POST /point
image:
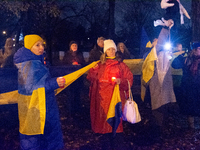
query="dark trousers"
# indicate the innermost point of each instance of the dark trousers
(74, 96)
(162, 113)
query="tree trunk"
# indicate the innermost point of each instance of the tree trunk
(111, 19)
(195, 20)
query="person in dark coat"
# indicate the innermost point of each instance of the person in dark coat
(75, 59)
(73, 56)
(190, 83)
(123, 51)
(38, 112)
(97, 51)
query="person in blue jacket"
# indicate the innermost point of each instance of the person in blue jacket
(38, 112)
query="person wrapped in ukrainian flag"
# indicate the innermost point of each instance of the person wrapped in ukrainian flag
(108, 81)
(38, 112)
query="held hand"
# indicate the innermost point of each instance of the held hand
(75, 63)
(169, 23)
(117, 80)
(61, 82)
(95, 66)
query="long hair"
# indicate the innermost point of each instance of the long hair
(192, 61)
(125, 48)
(191, 56)
(103, 58)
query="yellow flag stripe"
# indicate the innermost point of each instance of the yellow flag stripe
(9, 97)
(148, 65)
(114, 100)
(75, 75)
(32, 112)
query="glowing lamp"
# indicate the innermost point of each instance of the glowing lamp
(167, 46)
(113, 78)
(75, 63)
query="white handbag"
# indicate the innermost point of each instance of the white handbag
(131, 112)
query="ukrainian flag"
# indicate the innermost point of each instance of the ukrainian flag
(148, 70)
(70, 78)
(8, 86)
(31, 99)
(31, 95)
(115, 110)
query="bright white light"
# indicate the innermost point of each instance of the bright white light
(88, 38)
(4, 32)
(167, 46)
(21, 37)
(169, 57)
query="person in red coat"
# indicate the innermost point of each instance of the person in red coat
(101, 90)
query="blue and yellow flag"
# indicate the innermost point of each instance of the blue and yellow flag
(75, 75)
(31, 100)
(148, 69)
(115, 110)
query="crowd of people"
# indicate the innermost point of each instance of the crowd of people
(40, 127)
(33, 75)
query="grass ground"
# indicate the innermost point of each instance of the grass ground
(77, 133)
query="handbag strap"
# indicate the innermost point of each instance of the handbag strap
(130, 93)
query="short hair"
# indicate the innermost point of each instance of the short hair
(100, 38)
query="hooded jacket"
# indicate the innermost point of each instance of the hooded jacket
(36, 103)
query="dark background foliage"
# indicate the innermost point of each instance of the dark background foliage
(59, 22)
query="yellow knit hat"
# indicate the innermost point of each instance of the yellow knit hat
(30, 40)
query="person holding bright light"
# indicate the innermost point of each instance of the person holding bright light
(103, 78)
(161, 84)
(190, 84)
(73, 57)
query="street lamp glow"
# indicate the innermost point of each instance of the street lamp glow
(4, 32)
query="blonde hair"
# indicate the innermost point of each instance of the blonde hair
(9, 48)
(103, 58)
(9, 42)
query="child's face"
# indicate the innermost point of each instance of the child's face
(38, 48)
(110, 52)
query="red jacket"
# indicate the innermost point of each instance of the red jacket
(101, 90)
